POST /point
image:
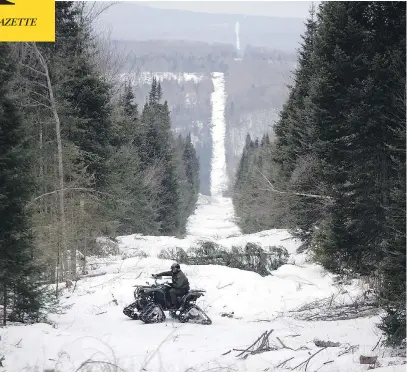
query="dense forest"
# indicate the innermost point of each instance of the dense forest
(335, 173)
(79, 160)
(190, 112)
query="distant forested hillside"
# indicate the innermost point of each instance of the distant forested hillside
(132, 21)
(255, 85)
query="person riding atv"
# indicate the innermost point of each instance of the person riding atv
(152, 300)
(180, 283)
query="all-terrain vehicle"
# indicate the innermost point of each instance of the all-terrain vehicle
(152, 300)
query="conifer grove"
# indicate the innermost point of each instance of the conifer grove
(79, 160)
(334, 171)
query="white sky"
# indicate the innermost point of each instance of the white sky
(295, 9)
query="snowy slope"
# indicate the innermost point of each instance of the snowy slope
(214, 216)
(213, 219)
(218, 165)
(94, 327)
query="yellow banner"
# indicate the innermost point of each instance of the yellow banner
(27, 20)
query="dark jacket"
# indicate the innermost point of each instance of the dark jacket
(179, 280)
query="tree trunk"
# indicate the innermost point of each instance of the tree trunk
(4, 304)
(60, 158)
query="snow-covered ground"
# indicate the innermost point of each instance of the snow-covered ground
(94, 328)
(218, 130)
(214, 216)
(92, 334)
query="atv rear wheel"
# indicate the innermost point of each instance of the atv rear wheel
(194, 314)
(152, 314)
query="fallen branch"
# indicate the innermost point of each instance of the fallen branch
(367, 359)
(110, 280)
(284, 345)
(114, 300)
(282, 363)
(103, 363)
(377, 344)
(302, 348)
(93, 275)
(349, 349)
(324, 364)
(227, 285)
(254, 343)
(103, 312)
(264, 345)
(330, 310)
(273, 189)
(289, 348)
(68, 189)
(321, 343)
(306, 362)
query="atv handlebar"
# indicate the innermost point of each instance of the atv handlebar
(159, 276)
(155, 283)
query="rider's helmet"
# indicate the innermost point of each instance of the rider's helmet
(175, 267)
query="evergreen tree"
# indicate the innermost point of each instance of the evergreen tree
(339, 156)
(387, 22)
(18, 273)
(131, 208)
(358, 47)
(256, 208)
(169, 211)
(174, 164)
(191, 162)
(81, 89)
(295, 133)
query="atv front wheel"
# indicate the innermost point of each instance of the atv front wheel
(131, 311)
(152, 314)
(194, 314)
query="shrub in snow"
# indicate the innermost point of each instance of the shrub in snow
(207, 248)
(251, 257)
(33, 306)
(323, 248)
(175, 254)
(207, 253)
(104, 247)
(394, 325)
(278, 256)
(260, 260)
(135, 252)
